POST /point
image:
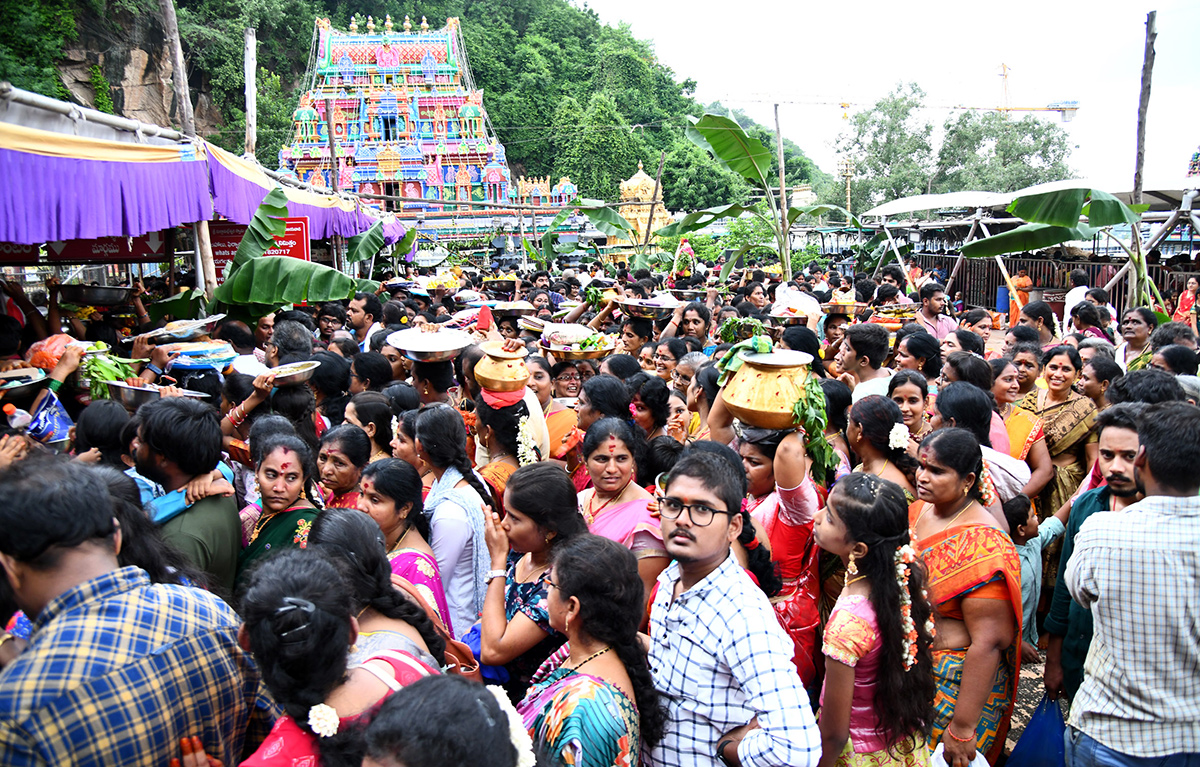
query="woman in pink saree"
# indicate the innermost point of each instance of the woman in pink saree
(616, 506)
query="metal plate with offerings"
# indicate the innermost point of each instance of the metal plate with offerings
(435, 345)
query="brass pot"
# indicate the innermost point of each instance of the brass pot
(765, 388)
(500, 370)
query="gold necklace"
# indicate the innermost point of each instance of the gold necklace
(593, 656)
(853, 580)
(950, 521)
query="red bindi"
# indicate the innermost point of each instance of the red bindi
(612, 445)
(285, 465)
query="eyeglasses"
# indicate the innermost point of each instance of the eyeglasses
(549, 583)
(701, 515)
(663, 358)
(330, 321)
(567, 378)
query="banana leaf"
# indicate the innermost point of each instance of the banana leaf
(1059, 208)
(731, 147)
(405, 245)
(186, 305)
(533, 253)
(822, 210)
(363, 245)
(276, 281)
(1105, 210)
(1027, 237)
(266, 225)
(699, 219)
(733, 257)
(605, 219)
(550, 235)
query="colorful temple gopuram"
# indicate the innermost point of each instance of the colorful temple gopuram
(407, 121)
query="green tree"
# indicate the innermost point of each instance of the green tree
(992, 152)
(566, 140)
(691, 180)
(891, 148)
(749, 230)
(608, 151)
(32, 35)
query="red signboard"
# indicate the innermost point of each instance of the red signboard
(227, 236)
(153, 246)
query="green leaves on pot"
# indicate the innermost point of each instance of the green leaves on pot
(810, 415)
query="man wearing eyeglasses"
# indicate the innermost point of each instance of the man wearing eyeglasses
(717, 652)
(331, 318)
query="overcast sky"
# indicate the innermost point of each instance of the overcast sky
(1090, 52)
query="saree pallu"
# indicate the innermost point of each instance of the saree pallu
(579, 719)
(623, 523)
(796, 555)
(1024, 430)
(1183, 313)
(963, 561)
(1067, 427)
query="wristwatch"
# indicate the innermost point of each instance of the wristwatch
(494, 574)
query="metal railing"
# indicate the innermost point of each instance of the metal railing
(979, 279)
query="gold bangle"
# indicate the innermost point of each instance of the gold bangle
(7, 638)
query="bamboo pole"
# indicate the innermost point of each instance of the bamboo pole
(250, 64)
(785, 259)
(1143, 107)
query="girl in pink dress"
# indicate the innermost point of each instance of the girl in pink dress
(876, 702)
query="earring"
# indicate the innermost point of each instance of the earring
(851, 569)
(547, 537)
(425, 390)
(353, 648)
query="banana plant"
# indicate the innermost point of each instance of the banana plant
(255, 286)
(1065, 215)
(744, 155)
(550, 249)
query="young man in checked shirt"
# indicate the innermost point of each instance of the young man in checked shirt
(1138, 570)
(118, 669)
(717, 652)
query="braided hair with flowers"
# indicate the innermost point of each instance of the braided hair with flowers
(874, 513)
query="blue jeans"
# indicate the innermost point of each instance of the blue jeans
(1085, 751)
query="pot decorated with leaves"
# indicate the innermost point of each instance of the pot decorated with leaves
(764, 390)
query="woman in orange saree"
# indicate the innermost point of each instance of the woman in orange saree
(974, 582)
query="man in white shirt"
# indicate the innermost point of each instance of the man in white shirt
(864, 349)
(717, 652)
(1076, 295)
(1137, 571)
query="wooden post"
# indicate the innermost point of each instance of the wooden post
(183, 98)
(785, 259)
(187, 123)
(1143, 106)
(662, 158)
(251, 69)
(334, 241)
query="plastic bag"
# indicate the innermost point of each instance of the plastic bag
(937, 759)
(1041, 744)
(45, 353)
(50, 421)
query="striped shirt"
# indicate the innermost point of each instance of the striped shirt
(720, 658)
(1139, 573)
(119, 669)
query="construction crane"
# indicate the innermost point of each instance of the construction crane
(1066, 108)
